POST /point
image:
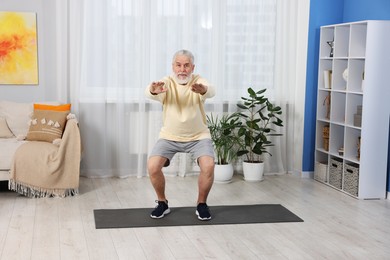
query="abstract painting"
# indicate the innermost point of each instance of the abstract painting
(18, 48)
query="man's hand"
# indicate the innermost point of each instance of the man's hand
(157, 88)
(199, 88)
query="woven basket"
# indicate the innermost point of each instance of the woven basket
(325, 135)
(335, 173)
(320, 171)
(325, 131)
(351, 179)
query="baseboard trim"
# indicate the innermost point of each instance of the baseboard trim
(309, 175)
(4, 175)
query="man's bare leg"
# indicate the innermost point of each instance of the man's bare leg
(206, 177)
(155, 165)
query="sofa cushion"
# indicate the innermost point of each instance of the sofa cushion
(52, 107)
(8, 147)
(17, 116)
(48, 122)
(4, 130)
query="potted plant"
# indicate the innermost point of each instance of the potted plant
(223, 132)
(258, 117)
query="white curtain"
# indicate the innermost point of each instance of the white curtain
(117, 47)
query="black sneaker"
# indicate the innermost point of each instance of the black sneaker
(203, 212)
(160, 210)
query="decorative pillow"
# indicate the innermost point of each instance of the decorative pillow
(48, 122)
(17, 116)
(65, 107)
(4, 130)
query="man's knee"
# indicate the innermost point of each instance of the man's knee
(155, 164)
(206, 163)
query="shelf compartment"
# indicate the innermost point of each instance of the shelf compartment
(341, 44)
(321, 140)
(327, 35)
(351, 144)
(355, 75)
(321, 157)
(337, 107)
(336, 139)
(354, 109)
(358, 40)
(323, 105)
(325, 66)
(340, 65)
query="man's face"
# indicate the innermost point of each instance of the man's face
(182, 68)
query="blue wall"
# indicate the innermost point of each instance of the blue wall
(325, 12)
(357, 10)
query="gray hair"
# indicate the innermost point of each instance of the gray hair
(185, 53)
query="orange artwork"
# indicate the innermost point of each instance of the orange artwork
(18, 48)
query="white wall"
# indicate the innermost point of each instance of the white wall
(46, 28)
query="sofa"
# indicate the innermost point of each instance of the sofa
(40, 148)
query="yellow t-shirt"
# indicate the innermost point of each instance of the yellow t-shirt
(184, 118)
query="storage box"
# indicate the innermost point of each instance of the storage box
(320, 171)
(357, 120)
(359, 110)
(351, 179)
(335, 172)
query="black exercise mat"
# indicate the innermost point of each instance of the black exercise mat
(185, 216)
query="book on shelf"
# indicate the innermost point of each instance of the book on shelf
(327, 79)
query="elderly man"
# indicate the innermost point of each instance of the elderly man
(184, 130)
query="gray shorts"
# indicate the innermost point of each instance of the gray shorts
(168, 149)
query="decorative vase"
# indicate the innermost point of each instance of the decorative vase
(223, 173)
(345, 77)
(253, 171)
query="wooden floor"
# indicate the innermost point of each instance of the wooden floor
(336, 226)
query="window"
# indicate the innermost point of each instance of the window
(128, 44)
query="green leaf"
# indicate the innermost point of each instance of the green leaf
(251, 92)
(261, 91)
(242, 152)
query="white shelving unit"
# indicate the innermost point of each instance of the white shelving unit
(363, 50)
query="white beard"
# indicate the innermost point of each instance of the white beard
(182, 81)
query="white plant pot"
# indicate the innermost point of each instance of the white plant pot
(253, 171)
(223, 173)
